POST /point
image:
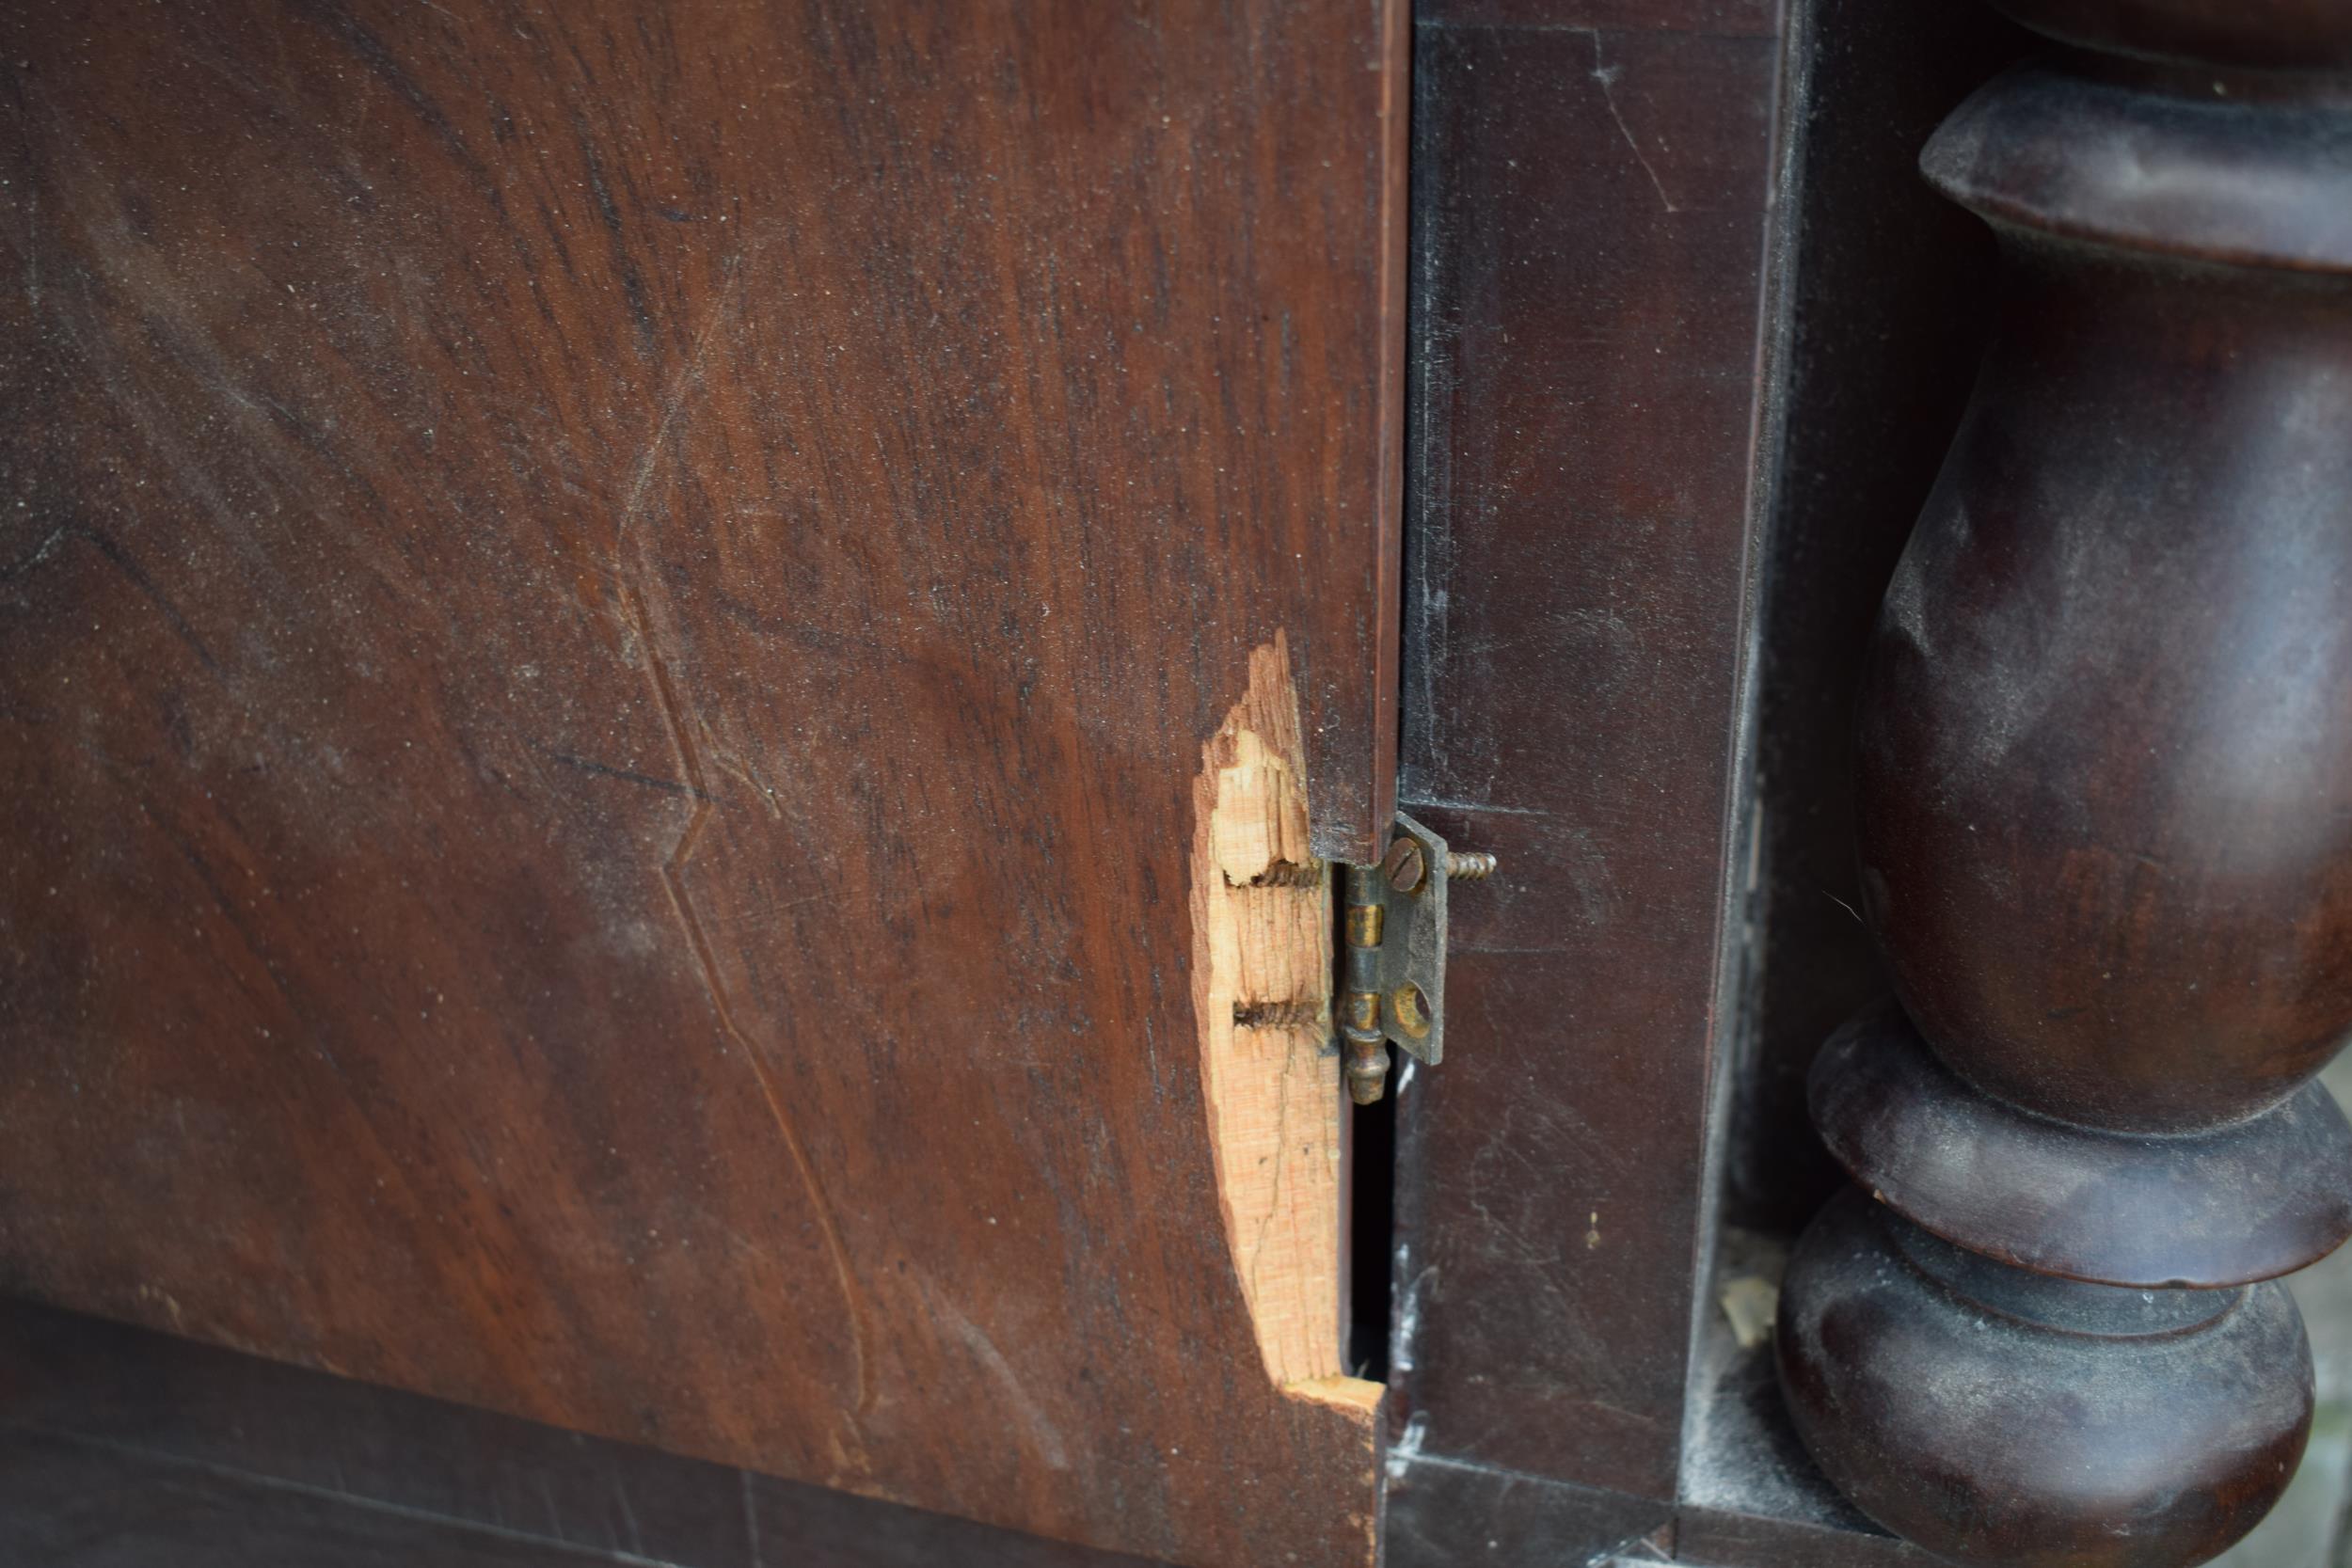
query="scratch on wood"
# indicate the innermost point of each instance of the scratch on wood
(675, 399)
(690, 920)
(750, 1525)
(1607, 76)
(1043, 1436)
(128, 566)
(625, 775)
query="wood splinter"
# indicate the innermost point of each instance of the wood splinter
(1261, 990)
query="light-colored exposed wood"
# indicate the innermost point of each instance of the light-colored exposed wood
(1262, 985)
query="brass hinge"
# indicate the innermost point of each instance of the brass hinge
(1393, 975)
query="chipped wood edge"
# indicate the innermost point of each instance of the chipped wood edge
(1261, 992)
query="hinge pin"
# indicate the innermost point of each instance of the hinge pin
(1360, 1001)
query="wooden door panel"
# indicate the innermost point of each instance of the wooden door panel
(608, 620)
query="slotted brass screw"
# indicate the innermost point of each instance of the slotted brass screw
(1405, 865)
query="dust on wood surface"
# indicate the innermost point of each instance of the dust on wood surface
(607, 618)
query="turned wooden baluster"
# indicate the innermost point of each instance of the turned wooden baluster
(2106, 825)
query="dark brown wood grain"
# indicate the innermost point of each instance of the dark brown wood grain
(67, 1504)
(1714, 1539)
(1891, 299)
(2007, 1418)
(1442, 1513)
(1594, 184)
(239, 1433)
(2265, 34)
(2251, 1200)
(607, 617)
(2105, 770)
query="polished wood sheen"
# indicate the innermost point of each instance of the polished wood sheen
(2065, 1424)
(608, 618)
(2107, 746)
(1594, 184)
(2251, 1200)
(300, 1468)
(2296, 35)
(2104, 814)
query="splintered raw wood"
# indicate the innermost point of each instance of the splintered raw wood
(1261, 949)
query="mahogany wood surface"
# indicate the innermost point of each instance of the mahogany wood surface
(2265, 34)
(227, 1438)
(1717, 1540)
(1891, 300)
(1593, 370)
(2107, 762)
(2102, 803)
(65, 1504)
(2002, 1416)
(1593, 183)
(2251, 1200)
(607, 619)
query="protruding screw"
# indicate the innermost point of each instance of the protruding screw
(1469, 865)
(1405, 865)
